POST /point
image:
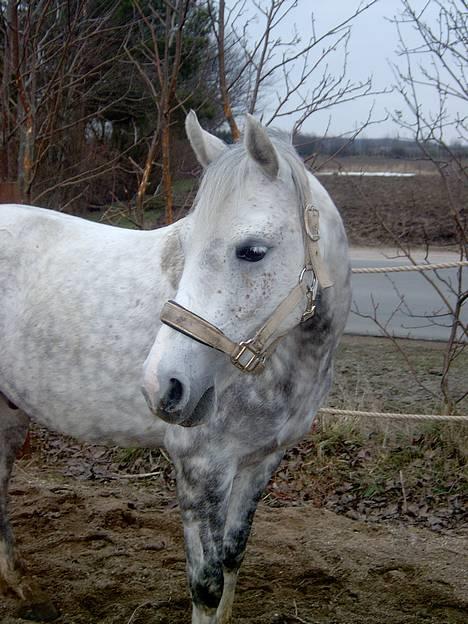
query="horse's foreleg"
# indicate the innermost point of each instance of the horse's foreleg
(224, 611)
(247, 489)
(13, 429)
(203, 491)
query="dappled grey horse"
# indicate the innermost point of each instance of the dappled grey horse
(253, 288)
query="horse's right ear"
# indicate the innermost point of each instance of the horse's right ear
(206, 146)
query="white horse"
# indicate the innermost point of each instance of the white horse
(80, 335)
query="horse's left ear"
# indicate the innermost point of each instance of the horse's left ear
(260, 147)
(206, 146)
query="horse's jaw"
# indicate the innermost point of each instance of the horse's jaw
(202, 411)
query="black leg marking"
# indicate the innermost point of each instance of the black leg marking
(247, 491)
(203, 492)
(207, 585)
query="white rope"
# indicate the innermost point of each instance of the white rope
(345, 412)
(412, 267)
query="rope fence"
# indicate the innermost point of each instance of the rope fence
(346, 412)
(412, 267)
(393, 415)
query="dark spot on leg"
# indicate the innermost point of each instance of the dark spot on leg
(207, 586)
(236, 541)
(287, 387)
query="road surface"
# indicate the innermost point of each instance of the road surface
(404, 318)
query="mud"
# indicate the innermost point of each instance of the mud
(112, 553)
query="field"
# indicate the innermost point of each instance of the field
(365, 522)
(378, 209)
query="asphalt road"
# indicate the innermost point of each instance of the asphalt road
(402, 301)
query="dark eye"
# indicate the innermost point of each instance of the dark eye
(251, 253)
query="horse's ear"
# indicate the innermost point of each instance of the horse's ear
(206, 146)
(260, 147)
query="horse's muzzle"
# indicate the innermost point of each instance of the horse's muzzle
(168, 407)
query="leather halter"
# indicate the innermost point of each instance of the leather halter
(250, 355)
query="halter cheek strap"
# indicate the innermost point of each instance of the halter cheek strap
(250, 355)
(314, 259)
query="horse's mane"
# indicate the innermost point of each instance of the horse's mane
(228, 174)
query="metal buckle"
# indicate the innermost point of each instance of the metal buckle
(310, 293)
(312, 228)
(248, 357)
(310, 306)
(305, 270)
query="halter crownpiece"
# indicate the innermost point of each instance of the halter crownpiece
(250, 356)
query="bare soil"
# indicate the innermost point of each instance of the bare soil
(108, 547)
(108, 552)
(380, 210)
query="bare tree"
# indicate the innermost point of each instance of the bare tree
(52, 92)
(219, 25)
(431, 79)
(296, 71)
(161, 60)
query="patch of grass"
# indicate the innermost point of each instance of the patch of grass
(373, 468)
(138, 460)
(184, 185)
(420, 476)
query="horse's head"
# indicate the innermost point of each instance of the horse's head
(244, 252)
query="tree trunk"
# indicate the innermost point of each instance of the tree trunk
(166, 168)
(142, 187)
(228, 114)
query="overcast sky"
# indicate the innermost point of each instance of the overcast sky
(372, 48)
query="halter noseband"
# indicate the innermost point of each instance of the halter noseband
(250, 355)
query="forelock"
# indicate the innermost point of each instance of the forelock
(228, 176)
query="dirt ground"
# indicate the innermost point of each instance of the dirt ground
(110, 552)
(108, 545)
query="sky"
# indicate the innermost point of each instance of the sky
(372, 49)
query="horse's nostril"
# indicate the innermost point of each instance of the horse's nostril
(170, 401)
(176, 390)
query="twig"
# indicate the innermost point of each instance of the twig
(403, 491)
(143, 475)
(143, 604)
(296, 616)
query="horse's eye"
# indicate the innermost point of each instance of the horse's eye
(251, 253)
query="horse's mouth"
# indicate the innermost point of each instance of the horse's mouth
(178, 417)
